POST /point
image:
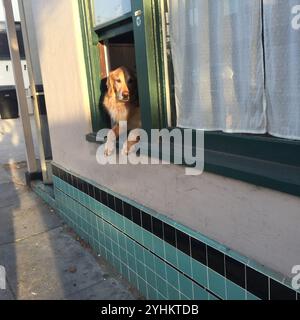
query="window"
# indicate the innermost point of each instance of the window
(105, 12)
(232, 78)
(216, 66)
(4, 47)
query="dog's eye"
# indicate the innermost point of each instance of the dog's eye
(118, 80)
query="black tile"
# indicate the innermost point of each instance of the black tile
(80, 184)
(127, 210)
(136, 216)
(111, 202)
(235, 271)
(257, 284)
(281, 292)
(85, 188)
(69, 178)
(91, 191)
(73, 181)
(54, 171)
(104, 198)
(119, 206)
(183, 242)
(169, 234)
(157, 228)
(147, 221)
(298, 296)
(198, 249)
(97, 195)
(216, 260)
(63, 175)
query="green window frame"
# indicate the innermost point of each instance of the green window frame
(261, 160)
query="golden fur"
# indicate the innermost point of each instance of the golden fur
(121, 102)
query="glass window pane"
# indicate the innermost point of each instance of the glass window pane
(105, 11)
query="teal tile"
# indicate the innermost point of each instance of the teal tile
(114, 234)
(212, 298)
(112, 217)
(122, 240)
(98, 209)
(151, 277)
(184, 297)
(158, 246)
(185, 286)
(235, 292)
(130, 246)
(184, 263)
(139, 253)
(137, 233)
(161, 297)
(149, 260)
(147, 239)
(162, 286)
(173, 294)
(125, 271)
(141, 269)
(108, 244)
(250, 296)
(115, 249)
(171, 254)
(100, 225)
(123, 255)
(119, 222)
(128, 227)
(216, 284)
(131, 262)
(160, 267)
(142, 286)
(199, 293)
(172, 276)
(133, 279)
(151, 293)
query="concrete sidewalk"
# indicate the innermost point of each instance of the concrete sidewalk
(42, 257)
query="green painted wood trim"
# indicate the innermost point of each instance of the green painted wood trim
(147, 62)
(113, 22)
(116, 31)
(92, 63)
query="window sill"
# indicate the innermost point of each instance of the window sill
(263, 161)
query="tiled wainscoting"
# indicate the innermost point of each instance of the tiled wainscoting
(160, 257)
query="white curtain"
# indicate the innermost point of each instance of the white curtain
(282, 52)
(218, 64)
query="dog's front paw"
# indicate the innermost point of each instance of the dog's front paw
(125, 150)
(109, 149)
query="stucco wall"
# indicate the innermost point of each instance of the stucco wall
(259, 223)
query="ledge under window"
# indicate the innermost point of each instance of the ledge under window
(261, 160)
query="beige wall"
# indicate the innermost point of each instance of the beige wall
(259, 223)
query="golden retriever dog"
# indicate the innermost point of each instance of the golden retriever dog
(121, 102)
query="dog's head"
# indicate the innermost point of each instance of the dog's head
(122, 84)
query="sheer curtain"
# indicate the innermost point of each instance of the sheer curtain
(218, 64)
(282, 52)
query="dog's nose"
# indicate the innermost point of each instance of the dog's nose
(125, 94)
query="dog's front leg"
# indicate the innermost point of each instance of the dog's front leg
(133, 139)
(110, 145)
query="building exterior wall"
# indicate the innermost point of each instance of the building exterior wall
(260, 224)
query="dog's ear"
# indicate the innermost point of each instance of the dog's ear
(110, 84)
